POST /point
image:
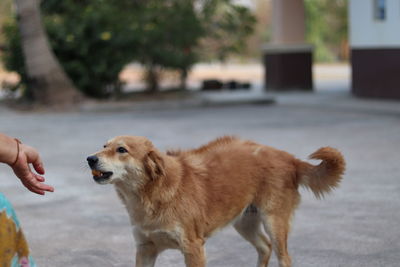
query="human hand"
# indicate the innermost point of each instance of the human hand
(34, 182)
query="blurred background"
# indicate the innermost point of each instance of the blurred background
(108, 48)
(293, 74)
(102, 49)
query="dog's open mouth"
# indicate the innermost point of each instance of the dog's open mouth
(100, 177)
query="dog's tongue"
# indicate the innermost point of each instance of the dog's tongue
(96, 173)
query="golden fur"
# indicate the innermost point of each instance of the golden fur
(180, 198)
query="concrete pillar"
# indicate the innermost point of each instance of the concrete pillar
(288, 59)
(288, 22)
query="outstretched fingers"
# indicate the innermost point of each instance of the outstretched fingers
(34, 182)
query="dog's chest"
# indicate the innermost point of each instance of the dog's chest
(165, 238)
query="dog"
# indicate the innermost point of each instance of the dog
(179, 198)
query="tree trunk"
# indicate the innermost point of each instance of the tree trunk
(152, 79)
(49, 83)
(183, 78)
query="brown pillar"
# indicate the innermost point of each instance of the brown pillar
(375, 72)
(288, 59)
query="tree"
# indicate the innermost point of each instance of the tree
(45, 78)
(326, 28)
(262, 29)
(176, 34)
(95, 39)
(227, 27)
(5, 14)
(169, 32)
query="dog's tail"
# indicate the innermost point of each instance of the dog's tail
(321, 179)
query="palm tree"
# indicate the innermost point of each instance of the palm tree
(49, 83)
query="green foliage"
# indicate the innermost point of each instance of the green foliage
(91, 41)
(228, 28)
(176, 34)
(168, 32)
(13, 59)
(5, 16)
(95, 39)
(326, 28)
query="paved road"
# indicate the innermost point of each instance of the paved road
(84, 224)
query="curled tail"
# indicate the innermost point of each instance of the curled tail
(322, 178)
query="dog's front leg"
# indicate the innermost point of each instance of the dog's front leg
(146, 255)
(194, 255)
(146, 250)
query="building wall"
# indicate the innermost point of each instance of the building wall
(368, 32)
(375, 49)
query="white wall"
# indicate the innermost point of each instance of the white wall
(367, 32)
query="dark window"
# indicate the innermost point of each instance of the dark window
(380, 9)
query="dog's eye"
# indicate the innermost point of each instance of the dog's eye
(121, 150)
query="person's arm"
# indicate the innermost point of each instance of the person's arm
(8, 149)
(19, 156)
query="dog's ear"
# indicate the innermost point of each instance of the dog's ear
(154, 165)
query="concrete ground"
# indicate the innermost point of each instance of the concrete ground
(84, 224)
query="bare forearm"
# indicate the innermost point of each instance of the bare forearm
(8, 149)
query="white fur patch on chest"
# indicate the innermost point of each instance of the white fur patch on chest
(165, 239)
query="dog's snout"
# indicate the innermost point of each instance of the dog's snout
(92, 160)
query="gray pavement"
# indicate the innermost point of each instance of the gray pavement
(84, 224)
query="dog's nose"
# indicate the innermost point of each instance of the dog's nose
(92, 160)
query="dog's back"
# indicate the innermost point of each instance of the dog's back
(232, 174)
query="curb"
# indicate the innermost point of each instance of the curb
(196, 101)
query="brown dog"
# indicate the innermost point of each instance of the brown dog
(180, 198)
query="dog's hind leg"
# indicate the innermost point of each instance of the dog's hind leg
(249, 227)
(277, 226)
